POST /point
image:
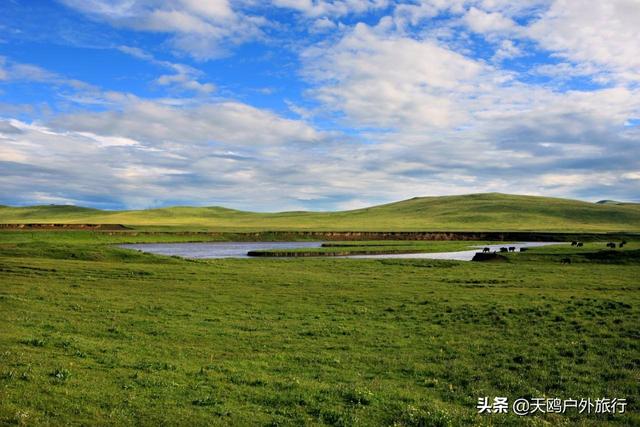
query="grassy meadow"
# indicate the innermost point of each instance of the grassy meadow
(96, 335)
(475, 212)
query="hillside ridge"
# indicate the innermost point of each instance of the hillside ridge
(482, 211)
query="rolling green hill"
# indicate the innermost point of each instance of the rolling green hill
(475, 212)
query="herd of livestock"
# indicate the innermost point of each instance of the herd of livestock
(509, 249)
(611, 245)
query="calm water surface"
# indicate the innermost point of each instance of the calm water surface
(240, 249)
(461, 255)
(217, 249)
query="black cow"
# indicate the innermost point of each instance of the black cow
(504, 250)
(621, 244)
(611, 245)
(580, 244)
(512, 248)
(485, 250)
(565, 261)
(574, 243)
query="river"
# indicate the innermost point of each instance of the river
(240, 249)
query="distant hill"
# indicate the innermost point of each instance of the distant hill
(609, 202)
(474, 212)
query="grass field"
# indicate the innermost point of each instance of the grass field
(476, 212)
(95, 335)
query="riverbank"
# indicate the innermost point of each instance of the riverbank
(117, 230)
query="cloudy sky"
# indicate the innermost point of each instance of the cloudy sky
(276, 105)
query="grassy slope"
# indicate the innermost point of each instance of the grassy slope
(471, 212)
(101, 336)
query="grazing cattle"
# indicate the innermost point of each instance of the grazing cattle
(611, 245)
(621, 244)
(574, 243)
(512, 248)
(565, 261)
(524, 249)
(504, 250)
(485, 250)
(580, 244)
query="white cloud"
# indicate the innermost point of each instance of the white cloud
(485, 14)
(323, 24)
(229, 153)
(17, 71)
(184, 76)
(488, 22)
(585, 179)
(214, 9)
(356, 77)
(159, 124)
(107, 141)
(507, 49)
(603, 33)
(202, 29)
(600, 36)
(232, 152)
(632, 175)
(185, 82)
(421, 115)
(317, 8)
(466, 123)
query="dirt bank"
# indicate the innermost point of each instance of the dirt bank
(524, 236)
(105, 227)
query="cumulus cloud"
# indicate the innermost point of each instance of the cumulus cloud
(133, 158)
(420, 89)
(507, 49)
(317, 8)
(183, 76)
(229, 153)
(161, 124)
(484, 15)
(605, 34)
(600, 36)
(488, 22)
(202, 29)
(417, 112)
(17, 71)
(256, 161)
(470, 124)
(322, 25)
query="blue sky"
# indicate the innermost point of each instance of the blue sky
(300, 104)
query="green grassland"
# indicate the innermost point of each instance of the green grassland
(96, 335)
(476, 212)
